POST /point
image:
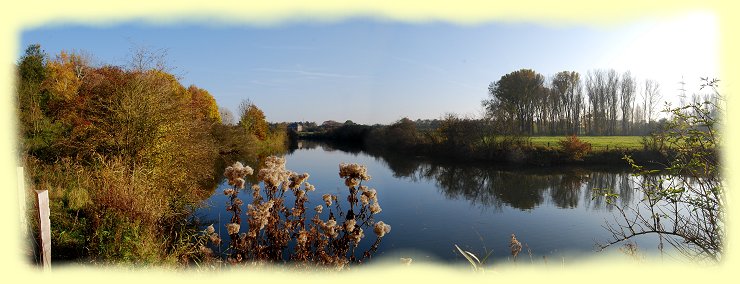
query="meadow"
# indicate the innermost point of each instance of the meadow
(598, 143)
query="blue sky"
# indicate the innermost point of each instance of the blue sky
(374, 71)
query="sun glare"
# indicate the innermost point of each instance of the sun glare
(685, 47)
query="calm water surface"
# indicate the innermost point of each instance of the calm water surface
(431, 207)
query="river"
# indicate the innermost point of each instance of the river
(431, 207)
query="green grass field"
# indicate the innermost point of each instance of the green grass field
(598, 143)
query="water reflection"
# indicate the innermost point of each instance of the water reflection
(520, 188)
(494, 186)
(328, 147)
(434, 204)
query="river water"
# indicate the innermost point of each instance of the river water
(431, 207)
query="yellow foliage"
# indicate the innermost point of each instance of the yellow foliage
(203, 104)
(253, 120)
(65, 74)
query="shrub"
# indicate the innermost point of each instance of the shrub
(109, 143)
(574, 148)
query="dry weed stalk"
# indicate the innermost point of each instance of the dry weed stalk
(515, 245)
(278, 232)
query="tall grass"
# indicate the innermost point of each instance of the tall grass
(108, 211)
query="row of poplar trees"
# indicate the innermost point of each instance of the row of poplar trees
(603, 103)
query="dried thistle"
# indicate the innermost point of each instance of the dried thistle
(515, 246)
(232, 228)
(381, 229)
(375, 208)
(349, 225)
(327, 199)
(273, 225)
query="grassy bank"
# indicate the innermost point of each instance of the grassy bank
(475, 140)
(598, 143)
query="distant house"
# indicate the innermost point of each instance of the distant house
(297, 127)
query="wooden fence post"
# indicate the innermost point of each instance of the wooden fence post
(42, 201)
(42, 206)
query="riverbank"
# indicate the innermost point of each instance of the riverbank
(523, 153)
(465, 140)
(125, 154)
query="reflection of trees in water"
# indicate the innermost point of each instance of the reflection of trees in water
(347, 148)
(491, 187)
(598, 180)
(494, 187)
(626, 189)
(305, 144)
(567, 192)
(403, 167)
(519, 188)
(302, 145)
(621, 184)
(473, 184)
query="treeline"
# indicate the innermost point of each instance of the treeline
(126, 152)
(474, 140)
(522, 104)
(453, 138)
(466, 139)
(526, 103)
(603, 102)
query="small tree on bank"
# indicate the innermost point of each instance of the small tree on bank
(684, 204)
(574, 148)
(252, 119)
